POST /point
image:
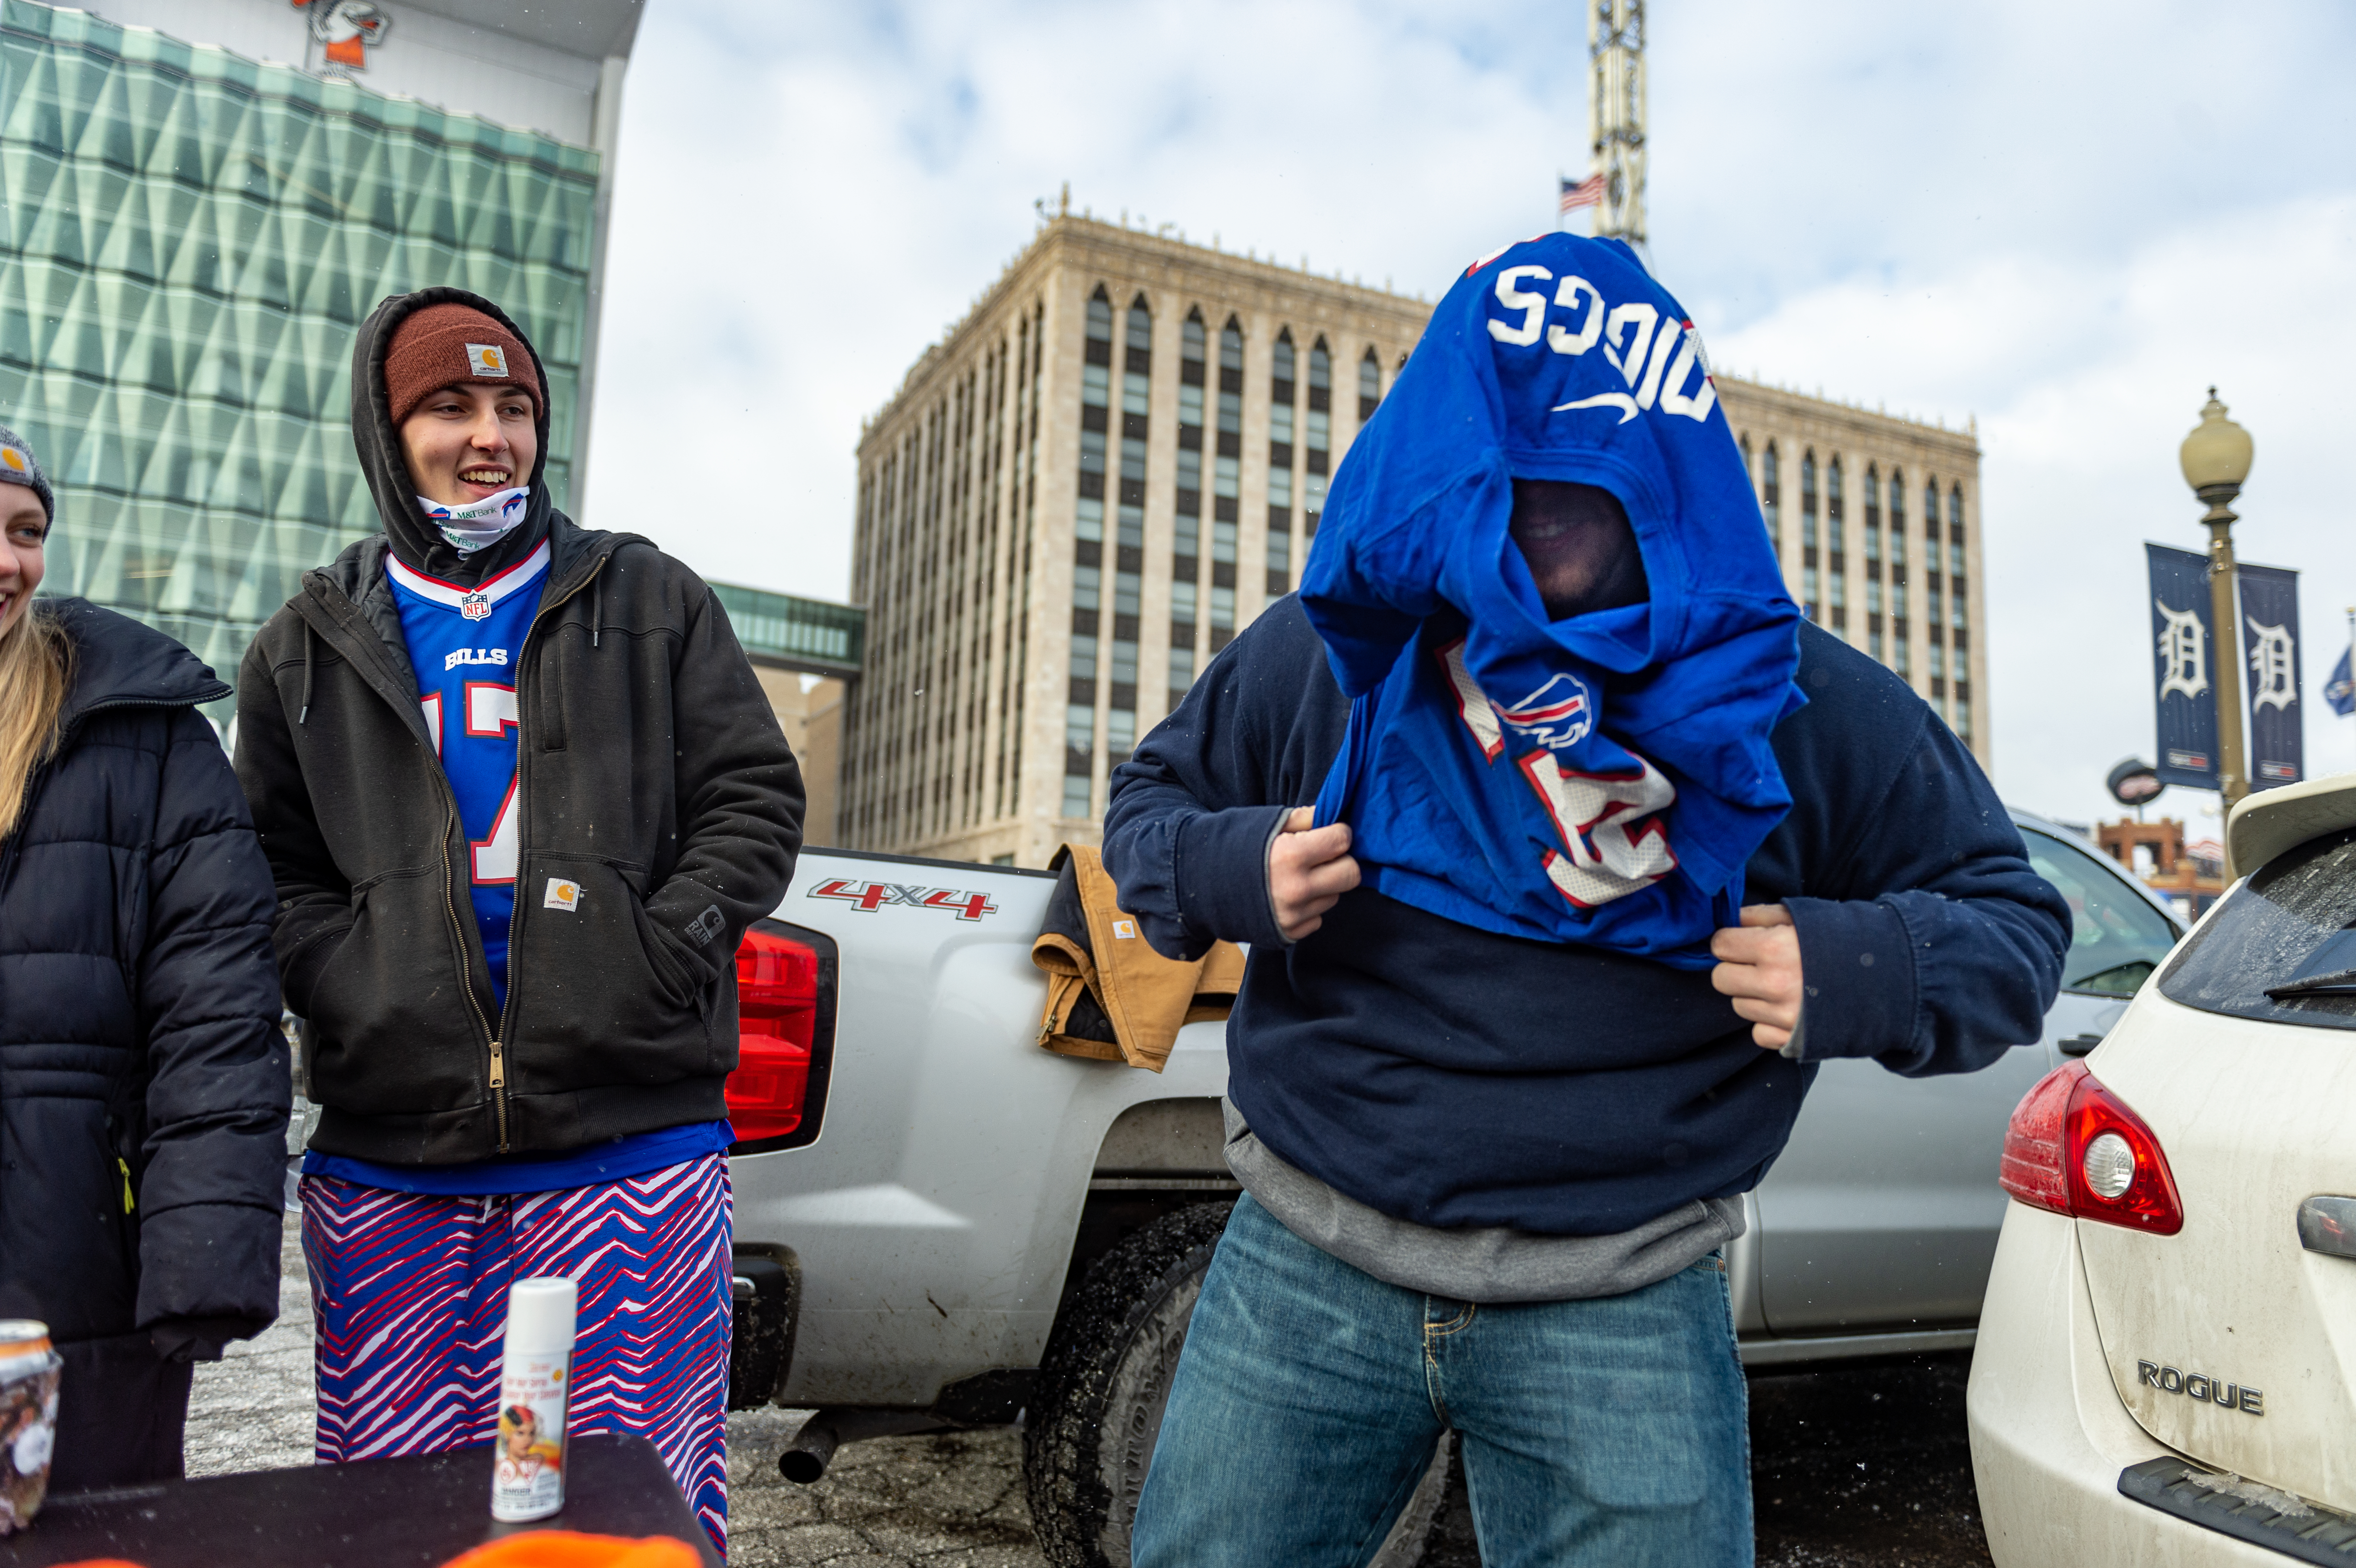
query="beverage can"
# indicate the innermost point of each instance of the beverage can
(535, 1387)
(28, 1419)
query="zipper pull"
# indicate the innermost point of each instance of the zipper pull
(498, 1067)
(125, 1167)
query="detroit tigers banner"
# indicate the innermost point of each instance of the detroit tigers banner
(2270, 653)
(2184, 686)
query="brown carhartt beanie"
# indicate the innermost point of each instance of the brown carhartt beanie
(453, 344)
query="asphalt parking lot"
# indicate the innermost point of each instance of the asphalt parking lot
(1861, 1467)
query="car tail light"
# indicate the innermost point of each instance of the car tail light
(779, 1000)
(2074, 1148)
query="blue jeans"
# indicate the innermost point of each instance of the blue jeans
(1311, 1394)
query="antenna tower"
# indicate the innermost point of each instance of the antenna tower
(1615, 113)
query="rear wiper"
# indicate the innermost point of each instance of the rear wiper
(2338, 982)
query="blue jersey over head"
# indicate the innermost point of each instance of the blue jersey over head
(1601, 779)
(465, 643)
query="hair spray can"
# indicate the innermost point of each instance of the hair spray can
(535, 1384)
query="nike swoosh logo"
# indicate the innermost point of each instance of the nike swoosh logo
(1621, 400)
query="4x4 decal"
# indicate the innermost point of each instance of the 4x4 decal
(869, 896)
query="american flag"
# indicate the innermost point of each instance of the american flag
(1588, 192)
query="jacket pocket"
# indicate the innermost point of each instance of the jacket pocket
(317, 963)
(679, 986)
(603, 1004)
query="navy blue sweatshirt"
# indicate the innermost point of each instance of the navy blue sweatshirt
(1455, 1077)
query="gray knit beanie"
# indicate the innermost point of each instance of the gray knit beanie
(19, 467)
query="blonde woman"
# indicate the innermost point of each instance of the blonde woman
(144, 1087)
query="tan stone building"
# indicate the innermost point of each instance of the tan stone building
(809, 711)
(1876, 521)
(1113, 463)
(1119, 457)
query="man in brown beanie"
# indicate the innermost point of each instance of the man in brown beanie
(521, 793)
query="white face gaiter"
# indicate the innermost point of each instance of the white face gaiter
(477, 524)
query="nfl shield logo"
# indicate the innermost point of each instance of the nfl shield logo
(476, 607)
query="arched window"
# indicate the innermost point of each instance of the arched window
(1834, 533)
(1088, 569)
(1136, 384)
(1898, 542)
(1873, 534)
(1317, 434)
(1370, 386)
(1279, 466)
(1186, 546)
(1095, 423)
(1931, 517)
(1956, 530)
(1770, 497)
(1808, 500)
(1226, 479)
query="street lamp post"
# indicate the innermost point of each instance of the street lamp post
(2216, 459)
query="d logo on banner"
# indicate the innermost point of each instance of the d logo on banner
(2270, 653)
(2184, 686)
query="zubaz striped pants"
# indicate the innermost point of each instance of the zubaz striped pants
(410, 1292)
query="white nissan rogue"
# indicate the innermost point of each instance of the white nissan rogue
(2166, 1370)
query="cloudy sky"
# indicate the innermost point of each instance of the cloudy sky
(2066, 221)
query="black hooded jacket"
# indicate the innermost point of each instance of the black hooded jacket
(650, 772)
(144, 1088)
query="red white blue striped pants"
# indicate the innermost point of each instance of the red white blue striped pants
(411, 1295)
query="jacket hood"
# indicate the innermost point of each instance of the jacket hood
(1558, 359)
(118, 661)
(415, 538)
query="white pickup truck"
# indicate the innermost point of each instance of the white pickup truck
(939, 1223)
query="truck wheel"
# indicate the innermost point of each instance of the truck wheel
(1103, 1384)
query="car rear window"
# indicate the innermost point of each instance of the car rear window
(2293, 920)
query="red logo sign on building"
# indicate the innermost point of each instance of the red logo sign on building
(347, 28)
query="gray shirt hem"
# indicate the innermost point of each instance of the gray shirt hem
(1488, 1264)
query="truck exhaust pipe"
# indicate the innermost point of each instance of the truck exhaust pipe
(806, 1456)
(813, 1447)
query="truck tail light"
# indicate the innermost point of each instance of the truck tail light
(785, 1002)
(2075, 1148)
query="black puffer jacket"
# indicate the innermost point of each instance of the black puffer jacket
(651, 775)
(140, 1054)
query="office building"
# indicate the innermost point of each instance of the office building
(201, 202)
(1876, 521)
(1120, 456)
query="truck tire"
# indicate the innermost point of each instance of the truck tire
(1097, 1407)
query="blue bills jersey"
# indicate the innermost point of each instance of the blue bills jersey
(465, 643)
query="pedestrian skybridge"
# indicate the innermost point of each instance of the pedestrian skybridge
(812, 635)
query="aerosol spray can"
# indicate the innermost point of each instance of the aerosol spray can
(28, 1419)
(535, 1385)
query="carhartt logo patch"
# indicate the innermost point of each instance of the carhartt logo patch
(1125, 929)
(562, 895)
(486, 358)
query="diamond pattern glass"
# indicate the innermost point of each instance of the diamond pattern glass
(188, 242)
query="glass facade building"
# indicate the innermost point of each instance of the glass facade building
(188, 242)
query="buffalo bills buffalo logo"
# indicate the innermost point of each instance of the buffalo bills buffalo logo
(1557, 715)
